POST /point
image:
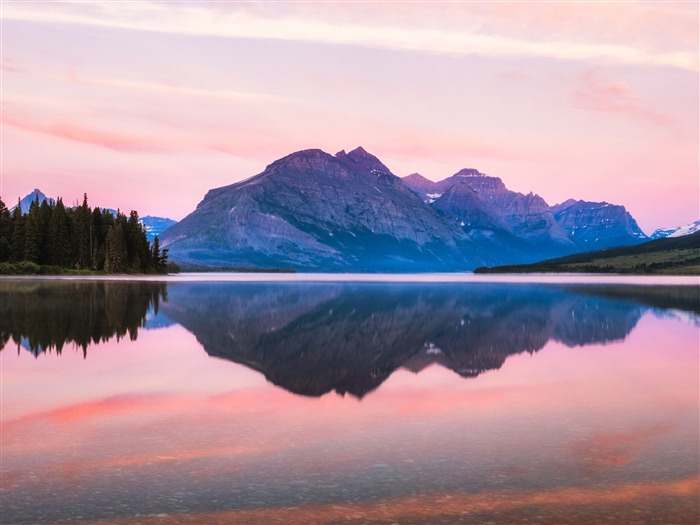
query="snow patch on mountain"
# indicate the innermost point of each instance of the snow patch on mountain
(678, 231)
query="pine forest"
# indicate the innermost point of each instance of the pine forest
(54, 238)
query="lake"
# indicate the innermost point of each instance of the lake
(248, 399)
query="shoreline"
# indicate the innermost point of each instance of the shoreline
(435, 278)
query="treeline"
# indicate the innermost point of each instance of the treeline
(53, 236)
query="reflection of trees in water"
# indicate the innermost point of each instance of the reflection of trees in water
(44, 316)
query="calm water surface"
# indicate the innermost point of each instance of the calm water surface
(195, 401)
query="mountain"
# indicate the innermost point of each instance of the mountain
(155, 226)
(426, 189)
(429, 190)
(676, 256)
(578, 225)
(597, 225)
(478, 202)
(26, 202)
(314, 211)
(347, 212)
(678, 231)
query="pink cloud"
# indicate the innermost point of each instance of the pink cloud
(615, 97)
(117, 141)
(10, 65)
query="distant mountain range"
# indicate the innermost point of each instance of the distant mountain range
(155, 226)
(312, 211)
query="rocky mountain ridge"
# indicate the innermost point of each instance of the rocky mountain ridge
(598, 224)
(476, 199)
(312, 211)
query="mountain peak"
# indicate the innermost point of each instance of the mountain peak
(27, 201)
(599, 223)
(469, 172)
(359, 150)
(359, 157)
(417, 177)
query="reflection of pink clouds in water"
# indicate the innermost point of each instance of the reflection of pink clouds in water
(550, 507)
(602, 451)
(159, 406)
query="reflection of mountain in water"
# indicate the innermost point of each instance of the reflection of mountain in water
(45, 315)
(312, 339)
(316, 338)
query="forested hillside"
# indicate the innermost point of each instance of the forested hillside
(52, 236)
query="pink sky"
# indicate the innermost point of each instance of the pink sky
(147, 105)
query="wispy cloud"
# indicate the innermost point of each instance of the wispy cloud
(10, 65)
(615, 97)
(118, 141)
(298, 23)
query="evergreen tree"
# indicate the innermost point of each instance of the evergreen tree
(44, 223)
(18, 231)
(98, 238)
(159, 258)
(60, 236)
(5, 232)
(115, 250)
(139, 251)
(81, 234)
(32, 237)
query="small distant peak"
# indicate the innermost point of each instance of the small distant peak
(556, 208)
(569, 202)
(361, 158)
(359, 150)
(469, 172)
(416, 177)
(360, 154)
